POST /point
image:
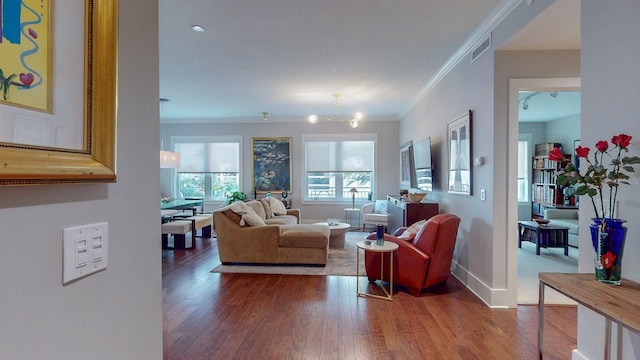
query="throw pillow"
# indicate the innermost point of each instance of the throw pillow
(277, 207)
(252, 219)
(233, 216)
(267, 207)
(410, 233)
(258, 208)
(381, 207)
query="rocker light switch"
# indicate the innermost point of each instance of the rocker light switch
(84, 250)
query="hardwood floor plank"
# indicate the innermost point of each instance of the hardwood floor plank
(256, 316)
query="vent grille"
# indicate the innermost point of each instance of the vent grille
(481, 49)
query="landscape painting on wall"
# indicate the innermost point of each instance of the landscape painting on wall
(271, 164)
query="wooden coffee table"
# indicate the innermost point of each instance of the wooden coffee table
(338, 230)
(547, 236)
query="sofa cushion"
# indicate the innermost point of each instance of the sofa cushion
(304, 236)
(253, 219)
(282, 220)
(267, 208)
(571, 224)
(239, 208)
(277, 207)
(257, 207)
(233, 216)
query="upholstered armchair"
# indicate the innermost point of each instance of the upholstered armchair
(374, 213)
(422, 262)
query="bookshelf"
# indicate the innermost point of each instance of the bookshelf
(544, 191)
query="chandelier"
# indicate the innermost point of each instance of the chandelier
(168, 159)
(353, 122)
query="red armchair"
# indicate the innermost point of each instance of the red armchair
(420, 263)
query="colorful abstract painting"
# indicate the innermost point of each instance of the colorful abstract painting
(25, 61)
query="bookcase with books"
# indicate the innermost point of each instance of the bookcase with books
(544, 191)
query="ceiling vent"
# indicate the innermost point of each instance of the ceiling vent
(481, 49)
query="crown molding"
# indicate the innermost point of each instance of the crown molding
(478, 36)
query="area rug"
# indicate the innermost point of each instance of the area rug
(340, 262)
(549, 260)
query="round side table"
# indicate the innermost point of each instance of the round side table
(388, 247)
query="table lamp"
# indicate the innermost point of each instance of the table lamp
(353, 197)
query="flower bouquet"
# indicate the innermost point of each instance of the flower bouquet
(600, 182)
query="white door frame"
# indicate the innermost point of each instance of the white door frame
(515, 86)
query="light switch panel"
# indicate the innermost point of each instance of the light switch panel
(85, 250)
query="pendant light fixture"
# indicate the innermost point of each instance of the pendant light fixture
(353, 122)
(168, 159)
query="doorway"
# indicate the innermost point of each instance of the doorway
(540, 85)
(544, 117)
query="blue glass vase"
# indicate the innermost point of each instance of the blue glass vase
(608, 246)
(380, 235)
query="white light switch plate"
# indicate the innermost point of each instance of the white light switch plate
(85, 250)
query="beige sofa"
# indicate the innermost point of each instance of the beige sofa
(278, 239)
(567, 218)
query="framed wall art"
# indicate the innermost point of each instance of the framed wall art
(459, 149)
(271, 165)
(62, 131)
(406, 165)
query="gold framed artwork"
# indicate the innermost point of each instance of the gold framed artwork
(62, 131)
(459, 150)
(271, 165)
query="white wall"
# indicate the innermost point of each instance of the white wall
(481, 252)
(387, 168)
(564, 131)
(116, 313)
(610, 77)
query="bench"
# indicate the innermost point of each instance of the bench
(181, 226)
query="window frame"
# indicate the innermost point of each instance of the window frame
(527, 178)
(337, 137)
(208, 183)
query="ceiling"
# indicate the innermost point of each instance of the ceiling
(287, 57)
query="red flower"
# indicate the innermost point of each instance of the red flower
(583, 152)
(602, 146)
(608, 259)
(556, 155)
(621, 140)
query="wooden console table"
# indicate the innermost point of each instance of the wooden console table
(400, 213)
(615, 303)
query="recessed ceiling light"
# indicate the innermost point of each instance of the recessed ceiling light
(197, 28)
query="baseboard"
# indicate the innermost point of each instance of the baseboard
(493, 298)
(576, 355)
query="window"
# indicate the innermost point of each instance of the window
(209, 166)
(334, 164)
(524, 167)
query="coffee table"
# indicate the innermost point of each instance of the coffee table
(338, 230)
(547, 236)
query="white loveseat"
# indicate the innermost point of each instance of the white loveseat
(567, 218)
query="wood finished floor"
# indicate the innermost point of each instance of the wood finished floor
(248, 316)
